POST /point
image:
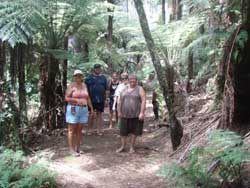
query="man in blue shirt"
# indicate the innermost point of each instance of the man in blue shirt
(97, 85)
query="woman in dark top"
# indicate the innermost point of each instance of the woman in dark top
(131, 110)
(112, 87)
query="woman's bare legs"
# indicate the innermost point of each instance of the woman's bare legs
(71, 134)
(78, 136)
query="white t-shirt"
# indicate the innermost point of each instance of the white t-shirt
(119, 89)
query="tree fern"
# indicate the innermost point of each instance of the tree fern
(52, 19)
(18, 20)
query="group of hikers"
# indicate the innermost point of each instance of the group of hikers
(86, 100)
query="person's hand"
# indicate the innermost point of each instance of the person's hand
(141, 116)
(91, 112)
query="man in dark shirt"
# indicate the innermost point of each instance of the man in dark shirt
(97, 86)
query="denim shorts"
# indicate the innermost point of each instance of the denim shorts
(77, 114)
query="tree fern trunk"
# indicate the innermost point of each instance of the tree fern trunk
(236, 101)
(163, 74)
(21, 80)
(222, 67)
(51, 99)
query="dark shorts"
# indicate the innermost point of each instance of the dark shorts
(98, 107)
(131, 126)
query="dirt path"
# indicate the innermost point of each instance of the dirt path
(101, 167)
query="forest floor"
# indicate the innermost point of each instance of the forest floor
(101, 167)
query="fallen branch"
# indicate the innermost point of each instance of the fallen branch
(201, 130)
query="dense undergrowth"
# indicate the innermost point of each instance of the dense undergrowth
(219, 164)
(16, 172)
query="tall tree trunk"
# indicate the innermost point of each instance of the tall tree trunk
(163, 9)
(163, 74)
(235, 108)
(2, 78)
(21, 80)
(110, 35)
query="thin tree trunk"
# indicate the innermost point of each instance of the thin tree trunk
(21, 80)
(163, 74)
(85, 51)
(190, 72)
(65, 67)
(179, 10)
(127, 6)
(13, 65)
(2, 78)
(174, 10)
(163, 8)
(110, 35)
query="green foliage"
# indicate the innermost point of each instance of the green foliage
(8, 129)
(18, 22)
(14, 172)
(222, 159)
(47, 21)
(205, 51)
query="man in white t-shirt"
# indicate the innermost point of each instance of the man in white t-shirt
(119, 89)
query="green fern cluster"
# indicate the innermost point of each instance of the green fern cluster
(14, 172)
(222, 161)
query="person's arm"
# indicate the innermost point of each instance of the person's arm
(116, 95)
(119, 107)
(143, 103)
(106, 93)
(68, 95)
(90, 105)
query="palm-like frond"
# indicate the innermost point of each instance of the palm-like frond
(52, 20)
(18, 20)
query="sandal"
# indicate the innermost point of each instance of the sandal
(75, 154)
(80, 152)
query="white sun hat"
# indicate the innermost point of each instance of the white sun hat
(77, 72)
